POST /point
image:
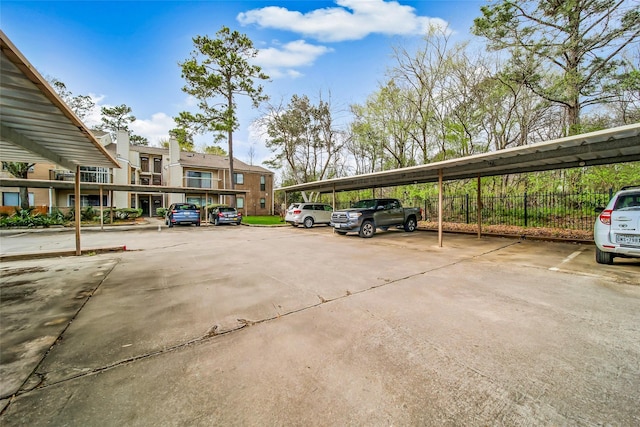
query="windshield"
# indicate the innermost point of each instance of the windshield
(365, 204)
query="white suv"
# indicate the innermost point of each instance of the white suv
(617, 229)
(308, 214)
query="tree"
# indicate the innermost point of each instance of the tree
(115, 119)
(81, 105)
(566, 51)
(20, 170)
(184, 138)
(215, 150)
(216, 73)
(303, 138)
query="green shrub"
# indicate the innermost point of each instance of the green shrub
(161, 212)
(26, 218)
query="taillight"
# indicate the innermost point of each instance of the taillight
(174, 211)
(197, 211)
(605, 217)
(297, 212)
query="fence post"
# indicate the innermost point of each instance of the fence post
(466, 206)
(525, 209)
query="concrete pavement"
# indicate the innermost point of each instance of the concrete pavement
(256, 326)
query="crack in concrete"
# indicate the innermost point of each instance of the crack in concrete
(214, 331)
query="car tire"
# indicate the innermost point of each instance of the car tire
(410, 225)
(367, 230)
(308, 222)
(603, 257)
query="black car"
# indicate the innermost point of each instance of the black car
(182, 213)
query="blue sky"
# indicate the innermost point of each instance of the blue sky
(127, 52)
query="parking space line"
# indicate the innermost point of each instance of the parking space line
(567, 259)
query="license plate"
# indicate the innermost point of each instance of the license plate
(337, 225)
(626, 239)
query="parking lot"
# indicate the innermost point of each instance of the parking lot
(238, 325)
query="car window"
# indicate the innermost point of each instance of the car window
(328, 208)
(365, 204)
(227, 210)
(628, 201)
(185, 207)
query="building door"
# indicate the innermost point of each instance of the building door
(157, 203)
(144, 205)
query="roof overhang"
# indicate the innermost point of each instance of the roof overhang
(615, 145)
(89, 186)
(36, 125)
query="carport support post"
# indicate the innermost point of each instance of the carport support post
(333, 197)
(440, 207)
(101, 211)
(77, 208)
(479, 208)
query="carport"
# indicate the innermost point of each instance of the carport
(37, 126)
(615, 145)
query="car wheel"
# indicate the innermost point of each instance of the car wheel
(410, 225)
(603, 257)
(308, 222)
(367, 230)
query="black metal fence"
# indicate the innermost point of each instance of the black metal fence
(553, 210)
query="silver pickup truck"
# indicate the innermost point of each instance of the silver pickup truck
(366, 216)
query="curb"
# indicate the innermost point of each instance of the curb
(55, 254)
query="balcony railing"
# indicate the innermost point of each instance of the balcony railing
(97, 176)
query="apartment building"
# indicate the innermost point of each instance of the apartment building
(154, 166)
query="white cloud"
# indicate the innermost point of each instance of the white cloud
(154, 129)
(281, 60)
(351, 20)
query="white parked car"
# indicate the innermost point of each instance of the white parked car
(308, 214)
(617, 229)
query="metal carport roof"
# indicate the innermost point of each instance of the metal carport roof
(615, 145)
(36, 126)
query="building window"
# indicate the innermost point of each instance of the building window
(238, 178)
(240, 202)
(157, 165)
(10, 199)
(88, 200)
(198, 179)
(13, 199)
(144, 163)
(144, 180)
(263, 203)
(157, 180)
(263, 183)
